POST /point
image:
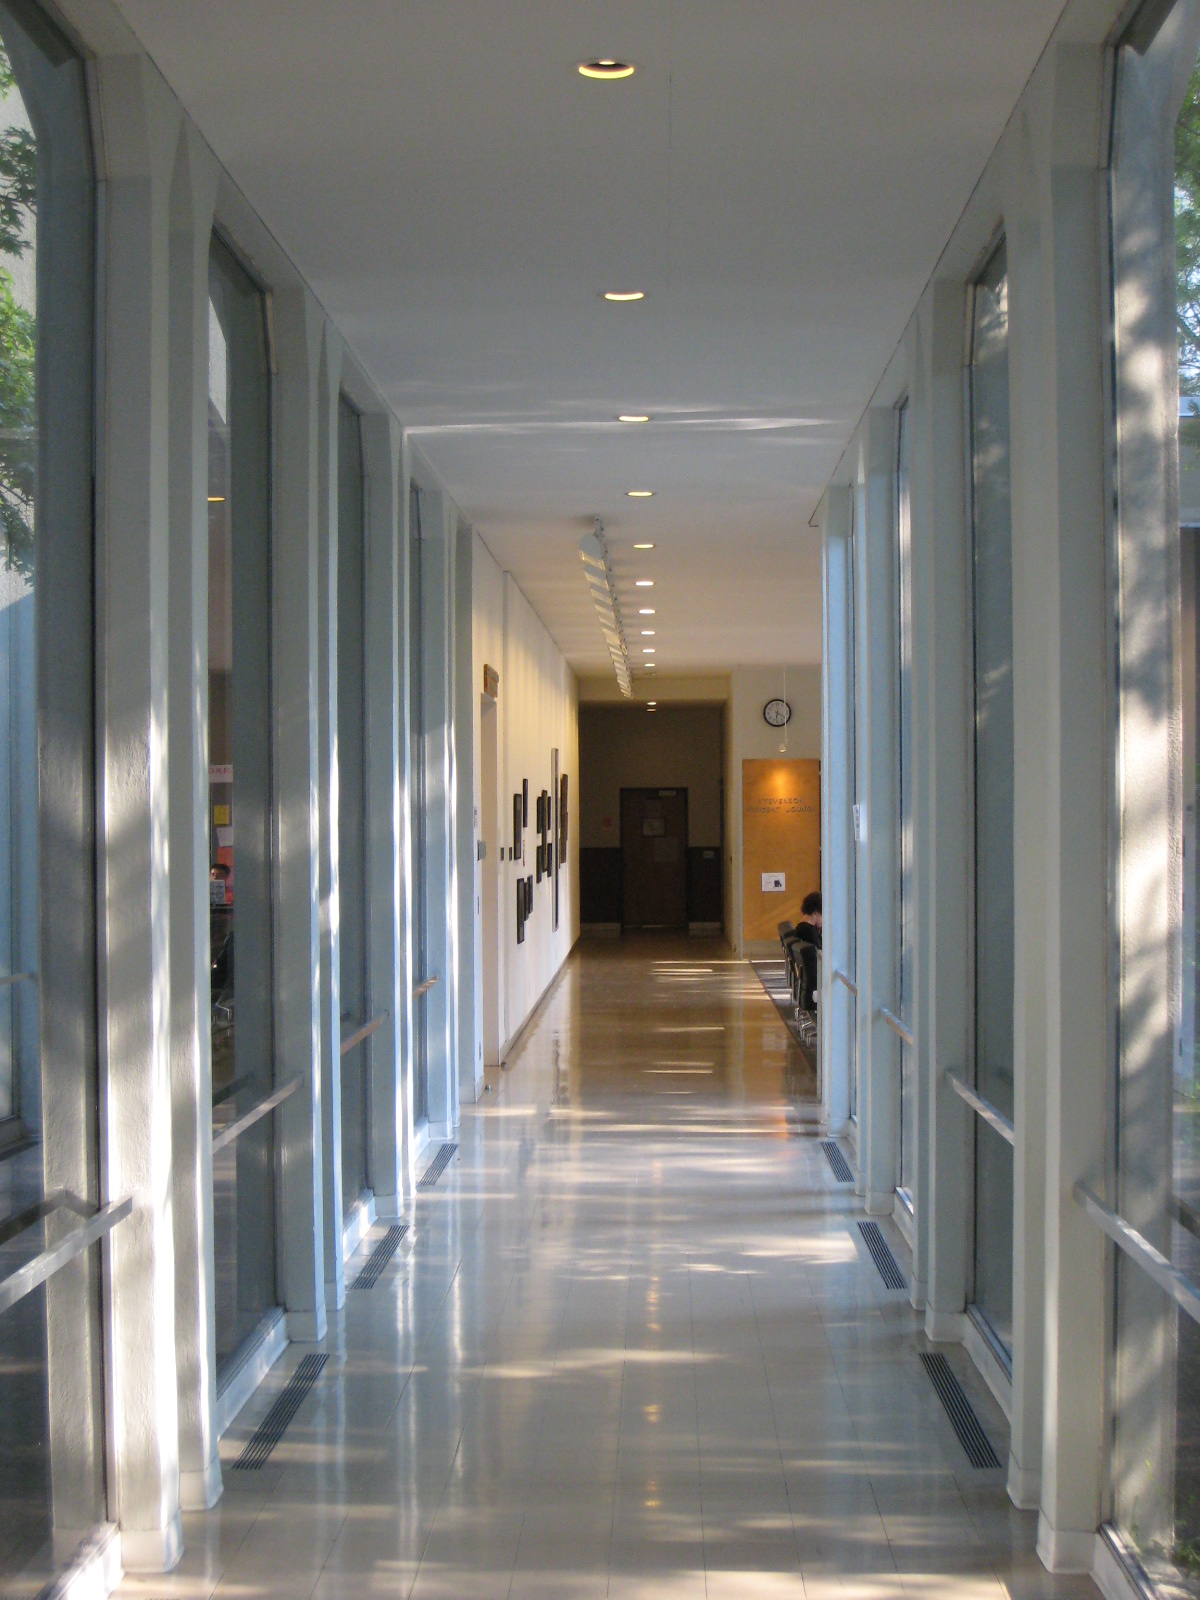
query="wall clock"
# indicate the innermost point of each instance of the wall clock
(777, 713)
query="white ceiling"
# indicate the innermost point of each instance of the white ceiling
(779, 177)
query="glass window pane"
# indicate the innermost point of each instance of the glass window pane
(906, 1162)
(352, 924)
(994, 913)
(239, 703)
(852, 786)
(52, 1489)
(416, 689)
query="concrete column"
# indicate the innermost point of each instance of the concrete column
(1073, 528)
(295, 682)
(328, 387)
(141, 123)
(943, 683)
(878, 1046)
(192, 201)
(466, 698)
(388, 974)
(837, 822)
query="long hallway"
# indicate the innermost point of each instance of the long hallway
(633, 1344)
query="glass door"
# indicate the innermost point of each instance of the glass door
(239, 753)
(352, 816)
(991, 527)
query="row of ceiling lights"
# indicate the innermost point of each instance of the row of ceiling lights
(608, 69)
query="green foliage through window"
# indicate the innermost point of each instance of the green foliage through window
(18, 414)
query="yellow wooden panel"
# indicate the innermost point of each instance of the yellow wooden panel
(781, 832)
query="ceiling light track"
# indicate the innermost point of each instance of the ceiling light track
(594, 553)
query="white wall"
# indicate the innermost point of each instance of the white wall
(538, 711)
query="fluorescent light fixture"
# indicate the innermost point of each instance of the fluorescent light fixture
(594, 554)
(646, 611)
(651, 703)
(216, 499)
(647, 633)
(647, 649)
(640, 494)
(606, 69)
(643, 547)
(624, 297)
(643, 583)
(633, 416)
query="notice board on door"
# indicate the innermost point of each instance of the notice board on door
(781, 838)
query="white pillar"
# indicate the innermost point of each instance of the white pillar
(193, 199)
(300, 1245)
(328, 389)
(1073, 528)
(141, 123)
(837, 822)
(386, 794)
(943, 682)
(466, 825)
(878, 1046)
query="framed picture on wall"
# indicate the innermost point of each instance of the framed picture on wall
(524, 802)
(517, 842)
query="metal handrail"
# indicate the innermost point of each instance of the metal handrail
(423, 988)
(257, 1111)
(365, 1032)
(1139, 1249)
(34, 1273)
(991, 1114)
(849, 982)
(898, 1027)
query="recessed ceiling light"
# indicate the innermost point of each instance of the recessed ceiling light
(624, 297)
(643, 547)
(639, 494)
(651, 702)
(633, 416)
(647, 633)
(644, 583)
(647, 649)
(607, 69)
(649, 664)
(216, 499)
(646, 611)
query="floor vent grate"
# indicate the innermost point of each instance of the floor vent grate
(958, 1408)
(882, 1256)
(837, 1161)
(437, 1166)
(379, 1257)
(274, 1425)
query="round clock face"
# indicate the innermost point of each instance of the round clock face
(777, 712)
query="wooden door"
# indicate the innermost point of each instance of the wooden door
(654, 858)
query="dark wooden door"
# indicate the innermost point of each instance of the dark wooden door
(654, 858)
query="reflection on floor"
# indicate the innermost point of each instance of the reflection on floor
(633, 1345)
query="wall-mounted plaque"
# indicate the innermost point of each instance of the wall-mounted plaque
(491, 681)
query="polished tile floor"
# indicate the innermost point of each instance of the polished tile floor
(632, 1346)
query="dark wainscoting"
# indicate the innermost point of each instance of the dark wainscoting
(600, 884)
(705, 884)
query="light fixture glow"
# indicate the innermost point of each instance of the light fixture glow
(647, 649)
(624, 297)
(649, 664)
(643, 547)
(647, 633)
(644, 583)
(216, 499)
(606, 69)
(633, 416)
(651, 702)
(598, 576)
(646, 611)
(640, 494)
